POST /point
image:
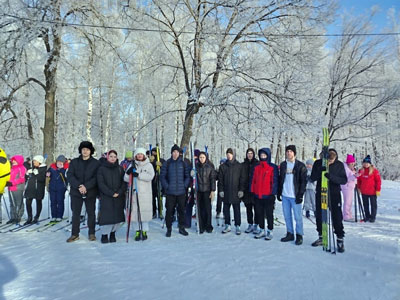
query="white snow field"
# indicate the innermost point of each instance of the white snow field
(41, 265)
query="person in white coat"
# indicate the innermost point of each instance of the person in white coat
(143, 171)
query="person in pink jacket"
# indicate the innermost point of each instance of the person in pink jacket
(348, 188)
(16, 186)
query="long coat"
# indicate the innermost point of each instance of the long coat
(110, 179)
(36, 184)
(231, 180)
(144, 190)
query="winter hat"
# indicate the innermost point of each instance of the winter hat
(222, 161)
(61, 158)
(88, 145)
(291, 147)
(367, 159)
(39, 159)
(310, 162)
(128, 154)
(140, 151)
(196, 152)
(350, 159)
(175, 147)
(229, 150)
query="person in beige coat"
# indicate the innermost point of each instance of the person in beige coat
(143, 171)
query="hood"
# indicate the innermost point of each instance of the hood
(254, 154)
(267, 151)
(18, 158)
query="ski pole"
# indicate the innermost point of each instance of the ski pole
(355, 205)
(129, 208)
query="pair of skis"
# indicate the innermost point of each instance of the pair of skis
(194, 187)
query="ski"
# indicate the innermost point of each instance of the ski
(158, 182)
(63, 227)
(6, 226)
(129, 207)
(21, 227)
(324, 190)
(194, 187)
(38, 225)
(50, 224)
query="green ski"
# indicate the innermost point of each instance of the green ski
(324, 190)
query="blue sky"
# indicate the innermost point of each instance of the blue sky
(357, 7)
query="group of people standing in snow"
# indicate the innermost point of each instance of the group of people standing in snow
(256, 182)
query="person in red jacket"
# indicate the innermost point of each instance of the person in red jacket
(369, 186)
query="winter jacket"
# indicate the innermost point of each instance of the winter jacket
(83, 172)
(36, 184)
(231, 180)
(265, 177)
(247, 169)
(351, 179)
(125, 164)
(175, 177)
(206, 177)
(17, 175)
(368, 183)
(311, 185)
(299, 179)
(58, 180)
(144, 189)
(110, 179)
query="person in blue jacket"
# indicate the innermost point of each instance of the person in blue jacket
(175, 179)
(57, 187)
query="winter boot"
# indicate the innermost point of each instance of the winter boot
(169, 231)
(10, 221)
(73, 238)
(249, 228)
(256, 229)
(238, 232)
(144, 234)
(317, 242)
(289, 237)
(340, 245)
(137, 236)
(299, 239)
(269, 235)
(28, 221)
(92, 237)
(260, 235)
(104, 239)
(112, 237)
(35, 220)
(227, 228)
(183, 231)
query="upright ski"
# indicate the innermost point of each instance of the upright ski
(158, 182)
(129, 207)
(194, 187)
(324, 190)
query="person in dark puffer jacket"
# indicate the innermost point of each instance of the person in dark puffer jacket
(206, 185)
(175, 179)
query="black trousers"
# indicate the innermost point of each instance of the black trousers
(219, 204)
(29, 207)
(204, 201)
(155, 196)
(178, 202)
(236, 213)
(251, 217)
(76, 207)
(367, 199)
(265, 208)
(336, 214)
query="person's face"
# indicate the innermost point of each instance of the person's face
(129, 159)
(175, 154)
(229, 156)
(351, 165)
(112, 157)
(139, 157)
(366, 165)
(60, 164)
(290, 155)
(202, 158)
(85, 152)
(309, 166)
(250, 155)
(36, 163)
(14, 162)
(263, 156)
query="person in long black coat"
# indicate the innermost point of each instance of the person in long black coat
(35, 186)
(112, 187)
(230, 187)
(82, 177)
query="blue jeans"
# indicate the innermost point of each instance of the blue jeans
(287, 205)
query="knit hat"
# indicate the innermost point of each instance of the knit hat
(196, 152)
(140, 151)
(310, 162)
(39, 159)
(229, 150)
(175, 147)
(350, 159)
(88, 145)
(292, 148)
(61, 158)
(367, 159)
(129, 154)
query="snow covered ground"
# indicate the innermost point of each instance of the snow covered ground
(41, 265)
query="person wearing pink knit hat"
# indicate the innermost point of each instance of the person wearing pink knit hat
(348, 188)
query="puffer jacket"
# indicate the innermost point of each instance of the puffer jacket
(58, 180)
(206, 177)
(175, 177)
(265, 177)
(36, 184)
(231, 180)
(18, 171)
(369, 183)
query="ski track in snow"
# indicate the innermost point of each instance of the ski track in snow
(41, 265)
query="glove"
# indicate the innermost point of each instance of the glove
(135, 174)
(299, 199)
(327, 175)
(35, 171)
(221, 194)
(29, 172)
(129, 171)
(10, 184)
(240, 194)
(158, 164)
(192, 173)
(378, 193)
(279, 197)
(212, 195)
